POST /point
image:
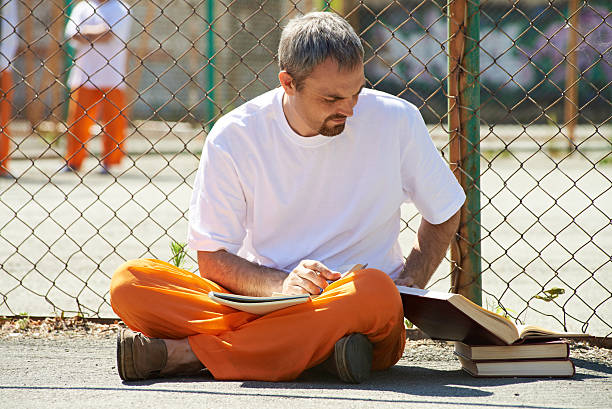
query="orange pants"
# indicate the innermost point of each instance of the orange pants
(85, 103)
(163, 301)
(6, 94)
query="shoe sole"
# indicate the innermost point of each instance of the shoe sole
(124, 354)
(353, 355)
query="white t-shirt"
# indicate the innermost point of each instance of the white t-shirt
(275, 198)
(9, 39)
(101, 65)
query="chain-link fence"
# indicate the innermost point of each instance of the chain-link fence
(166, 70)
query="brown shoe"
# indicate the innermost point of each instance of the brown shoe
(139, 357)
(351, 359)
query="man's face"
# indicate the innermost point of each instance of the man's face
(325, 100)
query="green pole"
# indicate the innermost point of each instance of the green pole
(210, 74)
(464, 126)
(68, 57)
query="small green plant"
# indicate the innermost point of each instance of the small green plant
(551, 119)
(178, 253)
(557, 150)
(23, 323)
(51, 138)
(47, 130)
(550, 294)
(491, 154)
(408, 324)
(606, 161)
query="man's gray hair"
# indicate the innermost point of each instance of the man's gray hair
(310, 39)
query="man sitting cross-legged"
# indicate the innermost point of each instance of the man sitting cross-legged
(293, 188)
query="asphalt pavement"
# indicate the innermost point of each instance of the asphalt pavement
(69, 371)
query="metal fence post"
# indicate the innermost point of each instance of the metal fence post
(68, 58)
(572, 72)
(464, 127)
(210, 72)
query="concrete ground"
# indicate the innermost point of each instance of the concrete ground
(64, 369)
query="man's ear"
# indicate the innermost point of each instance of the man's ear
(286, 81)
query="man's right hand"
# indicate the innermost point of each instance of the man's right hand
(309, 277)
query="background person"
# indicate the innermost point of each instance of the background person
(99, 31)
(9, 41)
(293, 188)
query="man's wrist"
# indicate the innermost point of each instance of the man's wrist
(412, 277)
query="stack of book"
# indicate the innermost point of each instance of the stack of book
(533, 359)
(487, 344)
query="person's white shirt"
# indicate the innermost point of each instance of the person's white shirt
(275, 198)
(101, 64)
(9, 39)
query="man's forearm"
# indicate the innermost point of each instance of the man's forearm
(429, 250)
(90, 34)
(239, 275)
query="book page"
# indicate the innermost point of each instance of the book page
(253, 299)
(532, 331)
(424, 293)
(258, 305)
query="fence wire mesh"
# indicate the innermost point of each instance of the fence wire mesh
(545, 137)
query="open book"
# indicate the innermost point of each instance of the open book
(258, 305)
(265, 305)
(453, 317)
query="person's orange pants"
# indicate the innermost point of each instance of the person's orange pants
(6, 93)
(163, 301)
(85, 104)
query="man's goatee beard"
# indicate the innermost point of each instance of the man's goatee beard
(331, 130)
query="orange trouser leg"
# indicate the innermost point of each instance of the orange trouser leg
(114, 128)
(6, 85)
(163, 301)
(82, 110)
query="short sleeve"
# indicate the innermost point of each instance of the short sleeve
(426, 177)
(74, 20)
(218, 207)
